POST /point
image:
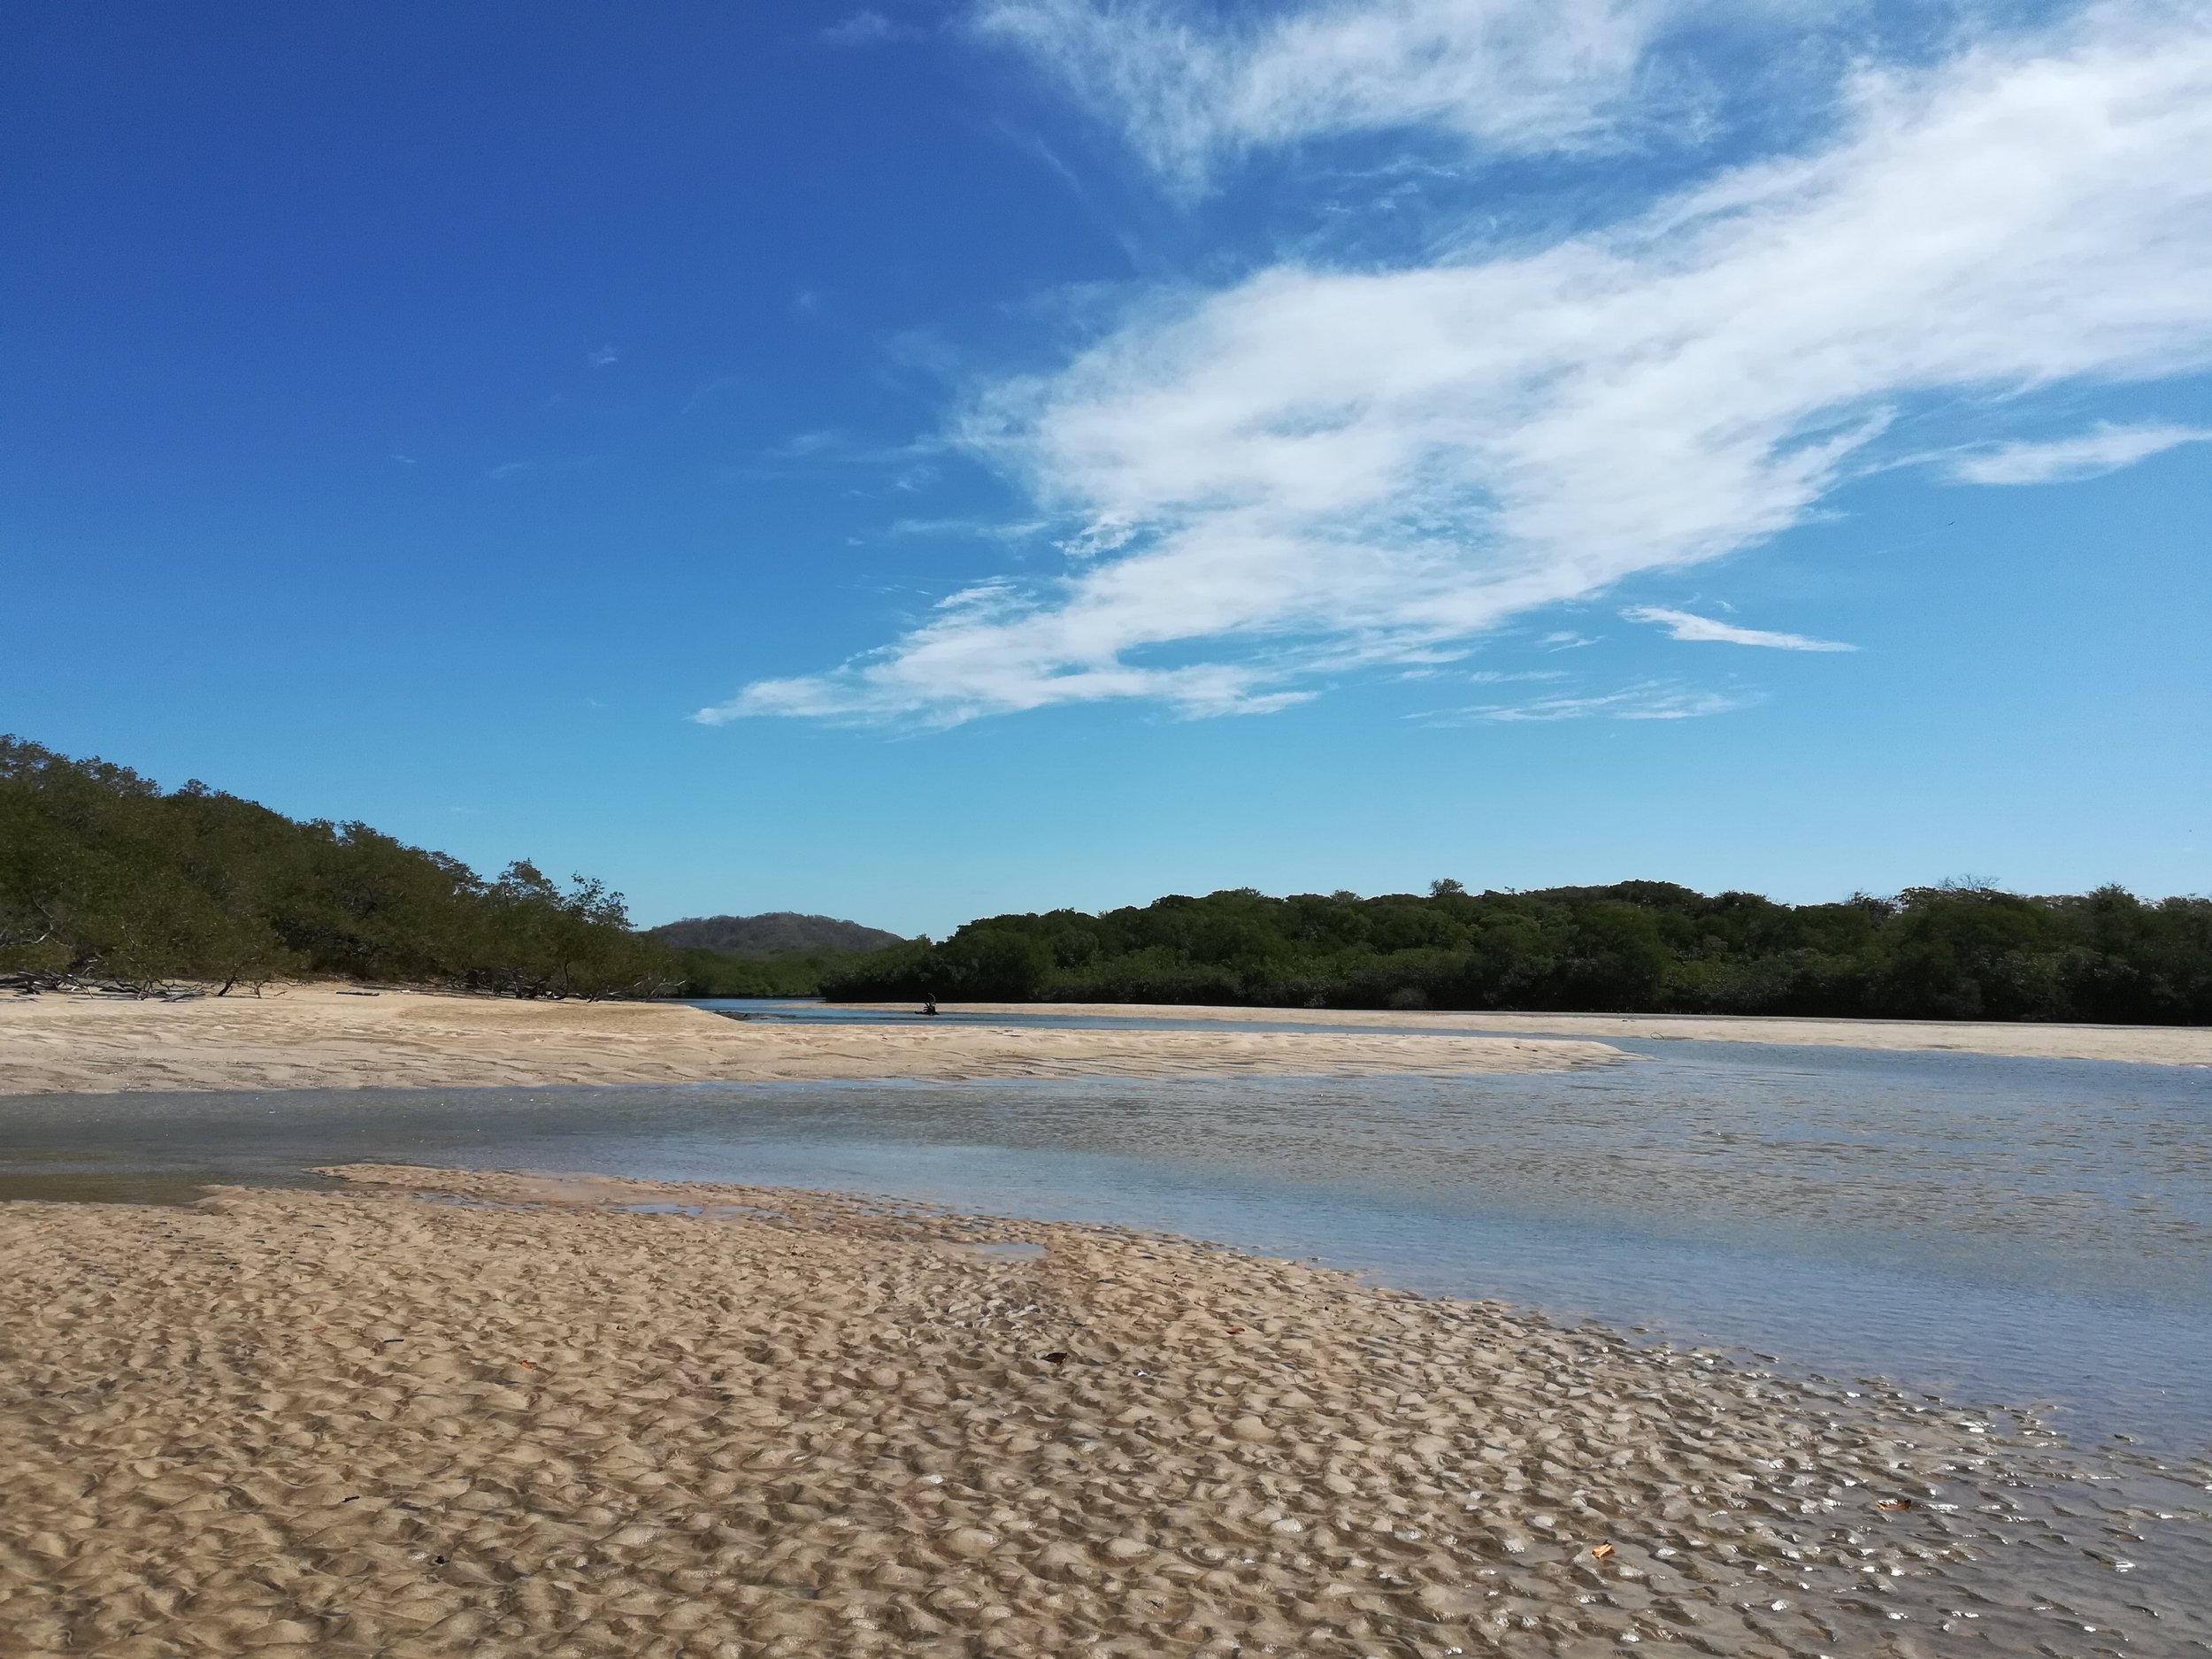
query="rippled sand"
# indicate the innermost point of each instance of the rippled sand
(2149, 1045)
(320, 1036)
(444, 1413)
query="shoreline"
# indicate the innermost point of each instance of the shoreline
(442, 1412)
(2139, 1045)
(315, 1036)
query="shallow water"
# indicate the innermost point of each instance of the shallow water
(1999, 1231)
(2033, 1233)
(813, 1011)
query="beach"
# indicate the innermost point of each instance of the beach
(434, 1413)
(2143, 1045)
(330, 1036)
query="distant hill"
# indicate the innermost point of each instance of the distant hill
(779, 934)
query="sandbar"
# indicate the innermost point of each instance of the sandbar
(443, 1413)
(325, 1036)
(2147, 1045)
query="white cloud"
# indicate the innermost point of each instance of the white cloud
(1325, 468)
(966, 529)
(1682, 625)
(2068, 460)
(984, 652)
(1107, 533)
(861, 28)
(1653, 700)
(1189, 93)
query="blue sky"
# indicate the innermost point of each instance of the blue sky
(929, 460)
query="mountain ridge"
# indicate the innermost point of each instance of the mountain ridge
(772, 934)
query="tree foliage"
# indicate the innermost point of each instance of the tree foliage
(105, 876)
(736, 973)
(1949, 952)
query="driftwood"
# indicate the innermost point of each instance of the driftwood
(32, 982)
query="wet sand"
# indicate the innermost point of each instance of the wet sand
(446, 1413)
(322, 1036)
(2148, 1045)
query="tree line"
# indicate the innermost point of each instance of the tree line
(1954, 951)
(105, 879)
(709, 972)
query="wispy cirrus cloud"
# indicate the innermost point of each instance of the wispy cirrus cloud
(967, 529)
(2108, 449)
(1649, 700)
(1683, 625)
(865, 27)
(1191, 90)
(1316, 468)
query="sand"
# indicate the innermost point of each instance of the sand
(323, 1036)
(445, 1413)
(2148, 1045)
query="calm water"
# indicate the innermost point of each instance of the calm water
(2016, 1231)
(813, 1011)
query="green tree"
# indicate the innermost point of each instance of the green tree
(1957, 951)
(103, 877)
